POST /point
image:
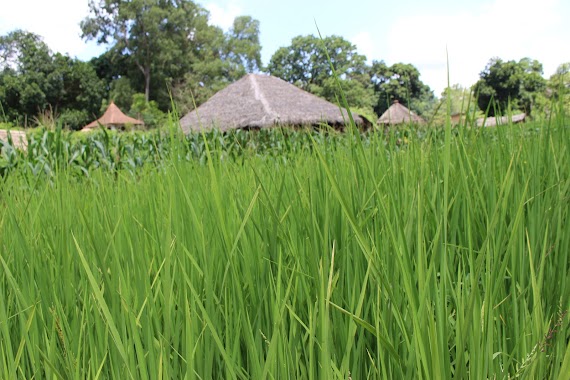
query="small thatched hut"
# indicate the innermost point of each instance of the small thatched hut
(262, 101)
(399, 114)
(112, 118)
(501, 120)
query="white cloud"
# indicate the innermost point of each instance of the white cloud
(509, 29)
(223, 16)
(56, 21)
(365, 45)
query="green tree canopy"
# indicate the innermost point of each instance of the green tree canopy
(305, 64)
(559, 82)
(462, 102)
(224, 60)
(25, 63)
(169, 45)
(460, 99)
(242, 47)
(559, 85)
(509, 83)
(33, 79)
(400, 82)
(158, 36)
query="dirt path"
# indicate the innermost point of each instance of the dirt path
(18, 137)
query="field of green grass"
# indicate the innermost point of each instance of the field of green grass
(418, 254)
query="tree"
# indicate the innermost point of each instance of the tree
(110, 66)
(147, 111)
(25, 63)
(157, 36)
(559, 82)
(503, 84)
(121, 92)
(462, 105)
(460, 99)
(400, 82)
(559, 86)
(305, 64)
(243, 49)
(74, 86)
(32, 79)
(167, 48)
(225, 59)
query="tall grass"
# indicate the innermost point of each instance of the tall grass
(418, 258)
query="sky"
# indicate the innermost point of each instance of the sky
(426, 34)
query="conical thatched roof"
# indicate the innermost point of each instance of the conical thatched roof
(113, 117)
(262, 101)
(398, 114)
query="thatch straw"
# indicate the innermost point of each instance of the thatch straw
(113, 117)
(501, 120)
(262, 101)
(19, 139)
(399, 114)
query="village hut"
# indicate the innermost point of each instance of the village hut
(501, 120)
(18, 138)
(397, 113)
(457, 118)
(261, 101)
(113, 118)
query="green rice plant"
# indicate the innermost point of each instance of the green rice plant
(426, 253)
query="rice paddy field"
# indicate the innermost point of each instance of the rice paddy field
(414, 254)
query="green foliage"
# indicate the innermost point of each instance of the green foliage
(509, 84)
(400, 82)
(74, 119)
(559, 86)
(348, 257)
(305, 64)
(121, 93)
(50, 149)
(147, 111)
(242, 48)
(32, 80)
(75, 86)
(367, 113)
(223, 59)
(207, 74)
(462, 106)
(166, 48)
(25, 66)
(154, 36)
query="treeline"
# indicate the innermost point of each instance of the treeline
(165, 53)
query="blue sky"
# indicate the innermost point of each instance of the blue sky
(409, 31)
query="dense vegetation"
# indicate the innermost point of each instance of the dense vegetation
(165, 53)
(510, 84)
(428, 252)
(417, 254)
(33, 79)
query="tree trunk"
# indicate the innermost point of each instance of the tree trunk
(146, 83)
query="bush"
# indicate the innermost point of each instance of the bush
(6, 125)
(147, 111)
(73, 119)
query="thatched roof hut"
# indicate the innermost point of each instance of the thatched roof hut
(262, 101)
(397, 113)
(19, 139)
(112, 118)
(501, 120)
